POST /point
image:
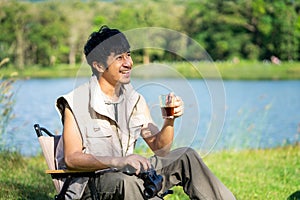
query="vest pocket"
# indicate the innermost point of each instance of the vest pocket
(99, 138)
(99, 128)
(135, 125)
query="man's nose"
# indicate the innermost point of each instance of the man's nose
(127, 61)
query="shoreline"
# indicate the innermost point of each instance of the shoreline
(244, 70)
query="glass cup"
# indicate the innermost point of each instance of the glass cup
(167, 105)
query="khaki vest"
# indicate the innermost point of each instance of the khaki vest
(99, 131)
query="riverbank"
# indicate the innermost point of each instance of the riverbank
(249, 174)
(242, 70)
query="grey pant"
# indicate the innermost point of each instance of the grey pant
(182, 167)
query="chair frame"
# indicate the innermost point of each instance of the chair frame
(58, 174)
(68, 175)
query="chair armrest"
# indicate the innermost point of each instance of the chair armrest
(66, 171)
(63, 173)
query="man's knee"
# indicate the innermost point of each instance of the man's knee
(189, 152)
(190, 157)
(192, 152)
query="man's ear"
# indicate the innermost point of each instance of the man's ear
(98, 66)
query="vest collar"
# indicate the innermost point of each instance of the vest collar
(97, 102)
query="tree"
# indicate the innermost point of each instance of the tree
(80, 17)
(285, 32)
(218, 26)
(48, 32)
(14, 21)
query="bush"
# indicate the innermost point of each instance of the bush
(6, 107)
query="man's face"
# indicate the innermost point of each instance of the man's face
(119, 68)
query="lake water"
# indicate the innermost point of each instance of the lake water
(218, 114)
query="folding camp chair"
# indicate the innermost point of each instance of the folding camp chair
(62, 178)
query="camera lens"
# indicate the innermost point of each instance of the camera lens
(150, 191)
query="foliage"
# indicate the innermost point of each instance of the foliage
(247, 29)
(6, 107)
(51, 32)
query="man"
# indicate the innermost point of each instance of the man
(104, 117)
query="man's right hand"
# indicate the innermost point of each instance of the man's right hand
(136, 162)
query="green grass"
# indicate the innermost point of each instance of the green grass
(57, 71)
(243, 70)
(250, 174)
(259, 174)
(24, 178)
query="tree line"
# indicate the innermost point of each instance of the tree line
(46, 33)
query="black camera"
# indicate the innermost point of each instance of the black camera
(152, 180)
(152, 183)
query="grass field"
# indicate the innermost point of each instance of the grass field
(246, 70)
(270, 174)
